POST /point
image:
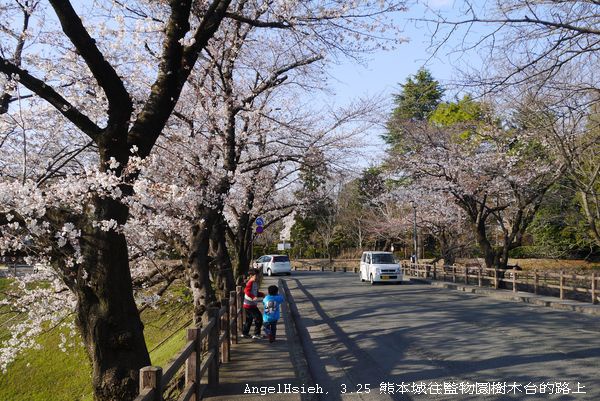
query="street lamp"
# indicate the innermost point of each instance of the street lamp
(415, 250)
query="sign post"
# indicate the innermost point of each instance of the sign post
(260, 222)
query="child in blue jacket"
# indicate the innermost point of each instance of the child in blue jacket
(271, 305)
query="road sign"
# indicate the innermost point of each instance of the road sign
(260, 221)
(259, 229)
(282, 246)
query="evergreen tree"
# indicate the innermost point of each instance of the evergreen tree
(419, 97)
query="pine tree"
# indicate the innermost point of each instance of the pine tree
(420, 96)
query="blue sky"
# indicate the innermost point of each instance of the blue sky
(384, 71)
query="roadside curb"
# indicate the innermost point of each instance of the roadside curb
(297, 342)
(523, 297)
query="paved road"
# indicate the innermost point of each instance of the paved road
(440, 341)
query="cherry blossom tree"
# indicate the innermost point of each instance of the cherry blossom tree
(488, 171)
(244, 119)
(570, 129)
(83, 187)
(523, 41)
(437, 215)
(548, 51)
(72, 221)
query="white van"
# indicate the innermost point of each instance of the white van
(378, 267)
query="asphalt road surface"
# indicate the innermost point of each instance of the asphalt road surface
(413, 341)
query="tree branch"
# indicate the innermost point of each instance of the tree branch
(120, 105)
(258, 23)
(51, 96)
(176, 65)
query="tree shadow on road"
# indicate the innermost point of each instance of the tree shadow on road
(426, 359)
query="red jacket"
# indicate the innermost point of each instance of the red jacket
(250, 292)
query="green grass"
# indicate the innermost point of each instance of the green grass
(50, 374)
(4, 284)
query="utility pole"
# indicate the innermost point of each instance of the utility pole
(415, 245)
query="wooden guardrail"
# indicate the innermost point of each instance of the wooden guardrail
(340, 265)
(569, 285)
(205, 350)
(16, 269)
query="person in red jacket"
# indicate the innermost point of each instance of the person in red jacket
(251, 295)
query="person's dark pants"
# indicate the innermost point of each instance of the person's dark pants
(252, 314)
(271, 329)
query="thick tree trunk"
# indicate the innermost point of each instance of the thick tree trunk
(107, 315)
(489, 254)
(242, 260)
(591, 208)
(447, 251)
(199, 267)
(244, 256)
(222, 267)
(242, 239)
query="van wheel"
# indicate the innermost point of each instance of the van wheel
(371, 280)
(269, 272)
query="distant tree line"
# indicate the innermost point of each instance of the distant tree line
(490, 179)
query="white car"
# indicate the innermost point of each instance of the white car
(274, 264)
(378, 267)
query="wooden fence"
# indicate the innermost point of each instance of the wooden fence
(205, 350)
(339, 265)
(16, 270)
(565, 285)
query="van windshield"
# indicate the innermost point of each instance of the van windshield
(383, 259)
(281, 259)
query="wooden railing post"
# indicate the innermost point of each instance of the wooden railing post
(454, 274)
(466, 275)
(239, 317)
(562, 284)
(355, 269)
(151, 377)
(536, 280)
(435, 271)
(192, 364)
(225, 345)
(495, 278)
(514, 280)
(594, 289)
(479, 277)
(213, 344)
(233, 317)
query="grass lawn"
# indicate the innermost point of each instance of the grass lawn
(50, 374)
